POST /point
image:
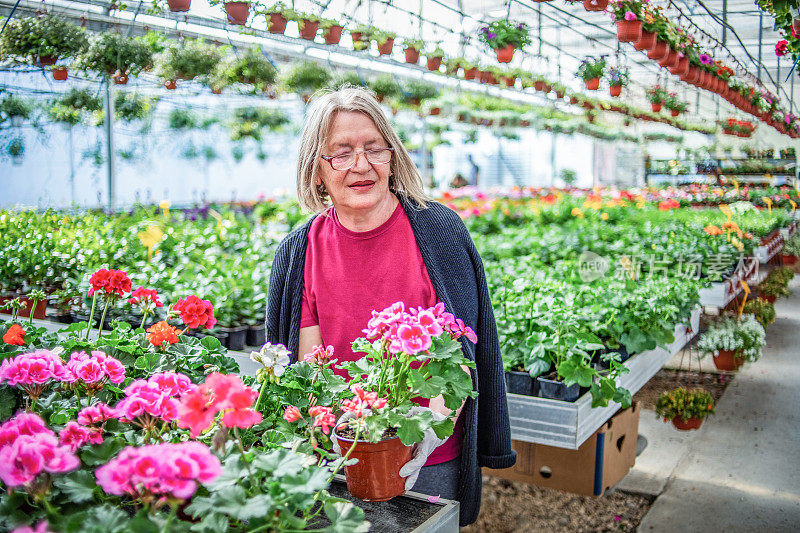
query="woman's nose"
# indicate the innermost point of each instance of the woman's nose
(361, 164)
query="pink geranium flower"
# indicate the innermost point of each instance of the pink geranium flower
(630, 15)
(28, 448)
(323, 418)
(220, 393)
(292, 414)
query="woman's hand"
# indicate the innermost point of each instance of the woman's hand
(309, 337)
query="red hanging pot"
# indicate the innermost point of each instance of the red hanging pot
(615, 90)
(386, 48)
(687, 425)
(674, 112)
(471, 73)
(592, 84)
(656, 107)
(671, 60)
(681, 68)
(435, 111)
(120, 78)
(433, 63)
(629, 31)
(659, 51)
(46, 61)
(237, 12)
(539, 85)
(412, 56)
(376, 475)
(509, 80)
(595, 5)
(179, 6)
(171, 85)
(309, 30)
(60, 73)
(646, 41)
(333, 35)
(505, 54)
(277, 23)
(727, 360)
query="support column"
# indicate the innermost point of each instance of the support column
(109, 127)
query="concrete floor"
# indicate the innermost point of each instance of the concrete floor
(741, 470)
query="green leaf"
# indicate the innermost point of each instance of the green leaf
(99, 454)
(210, 342)
(8, 402)
(104, 518)
(345, 518)
(234, 502)
(211, 523)
(444, 428)
(576, 370)
(410, 431)
(78, 486)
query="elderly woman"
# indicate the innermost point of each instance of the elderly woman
(377, 239)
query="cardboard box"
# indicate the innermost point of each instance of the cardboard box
(599, 464)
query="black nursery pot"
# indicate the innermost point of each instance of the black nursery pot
(236, 337)
(256, 336)
(521, 383)
(556, 390)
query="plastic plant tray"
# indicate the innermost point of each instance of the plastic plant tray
(720, 294)
(568, 425)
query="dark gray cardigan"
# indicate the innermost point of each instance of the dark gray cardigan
(456, 272)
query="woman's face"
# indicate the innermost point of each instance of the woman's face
(365, 187)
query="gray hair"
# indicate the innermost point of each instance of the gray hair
(404, 178)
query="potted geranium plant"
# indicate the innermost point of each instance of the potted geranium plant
(411, 48)
(685, 408)
(331, 30)
(590, 71)
(408, 356)
(627, 16)
(306, 77)
(362, 36)
(617, 78)
(385, 41)
(115, 54)
(308, 25)
(504, 37)
(278, 15)
(236, 11)
(42, 41)
(656, 96)
(434, 59)
(674, 104)
(733, 341)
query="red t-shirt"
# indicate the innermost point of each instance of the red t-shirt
(349, 274)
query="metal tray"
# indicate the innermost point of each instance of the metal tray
(568, 425)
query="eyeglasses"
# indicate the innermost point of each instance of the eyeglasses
(375, 156)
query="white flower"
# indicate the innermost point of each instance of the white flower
(274, 357)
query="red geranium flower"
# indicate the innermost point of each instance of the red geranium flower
(145, 296)
(112, 282)
(15, 335)
(161, 333)
(196, 312)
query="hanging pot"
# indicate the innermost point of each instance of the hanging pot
(681, 68)
(237, 12)
(277, 23)
(412, 57)
(592, 84)
(471, 73)
(656, 107)
(505, 54)
(120, 78)
(509, 80)
(629, 31)
(727, 360)
(376, 475)
(216, 90)
(171, 85)
(309, 30)
(179, 6)
(434, 63)
(559, 94)
(674, 112)
(386, 48)
(539, 85)
(687, 425)
(669, 60)
(646, 41)
(595, 5)
(333, 35)
(46, 61)
(615, 90)
(659, 51)
(60, 73)
(435, 111)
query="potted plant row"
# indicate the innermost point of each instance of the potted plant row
(43, 41)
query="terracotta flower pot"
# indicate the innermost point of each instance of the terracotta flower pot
(592, 84)
(595, 5)
(681, 68)
(726, 360)
(179, 6)
(646, 41)
(237, 12)
(659, 51)
(670, 60)
(376, 476)
(216, 90)
(509, 80)
(471, 73)
(769, 297)
(309, 31)
(433, 63)
(171, 85)
(435, 111)
(687, 425)
(615, 90)
(120, 78)
(412, 56)
(573, 100)
(788, 259)
(539, 85)
(629, 31)
(277, 23)
(333, 35)
(505, 54)
(386, 48)
(60, 73)
(559, 94)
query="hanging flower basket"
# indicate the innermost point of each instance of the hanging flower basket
(509, 80)
(237, 12)
(179, 6)
(386, 48)
(615, 90)
(60, 73)
(46, 61)
(687, 425)
(629, 31)
(505, 54)
(592, 84)
(308, 30)
(120, 78)
(595, 5)
(670, 60)
(471, 73)
(539, 85)
(171, 85)
(277, 23)
(656, 107)
(412, 55)
(681, 68)
(659, 51)
(333, 34)
(434, 62)
(674, 112)
(435, 111)
(727, 360)
(646, 41)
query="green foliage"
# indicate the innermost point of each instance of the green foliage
(29, 38)
(13, 106)
(111, 51)
(306, 77)
(73, 106)
(251, 68)
(190, 59)
(386, 86)
(762, 311)
(130, 106)
(16, 147)
(591, 68)
(500, 33)
(686, 404)
(182, 119)
(420, 90)
(250, 121)
(416, 44)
